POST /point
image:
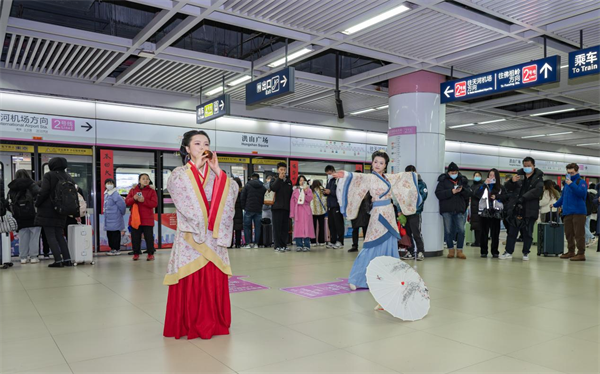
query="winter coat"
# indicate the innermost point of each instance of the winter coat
(147, 207)
(283, 193)
(46, 214)
(238, 217)
(547, 202)
(253, 196)
(573, 197)
(332, 201)
(449, 202)
(474, 204)
(302, 214)
(526, 193)
(114, 210)
(364, 213)
(21, 186)
(318, 205)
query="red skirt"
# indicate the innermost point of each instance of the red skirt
(199, 306)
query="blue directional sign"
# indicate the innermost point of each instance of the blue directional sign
(271, 86)
(512, 78)
(584, 62)
(215, 108)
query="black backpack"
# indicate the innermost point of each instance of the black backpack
(589, 204)
(22, 206)
(66, 199)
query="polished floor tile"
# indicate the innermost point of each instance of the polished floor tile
(505, 365)
(29, 354)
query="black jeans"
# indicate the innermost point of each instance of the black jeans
(281, 227)
(136, 239)
(413, 230)
(336, 226)
(491, 227)
(236, 238)
(319, 224)
(45, 245)
(355, 235)
(57, 243)
(526, 232)
(114, 240)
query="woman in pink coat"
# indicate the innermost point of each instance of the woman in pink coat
(301, 213)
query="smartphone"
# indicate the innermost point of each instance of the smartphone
(456, 187)
(139, 194)
(493, 180)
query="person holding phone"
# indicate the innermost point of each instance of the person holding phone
(453, 192)
(146, 200)
(490, 226)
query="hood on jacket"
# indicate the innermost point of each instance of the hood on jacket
(255, 183)
(57, 163)
(20, 184)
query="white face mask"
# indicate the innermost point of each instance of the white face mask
(109, 187)
(329, 177)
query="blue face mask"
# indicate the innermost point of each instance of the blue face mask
(453, 176)
(477, 179)
(528, 170)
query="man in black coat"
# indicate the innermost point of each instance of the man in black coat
(335, 219)
(253, 197)
(282, 186)
(453, 193)
(22, 194)
(526, 188)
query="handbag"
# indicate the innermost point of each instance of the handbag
(8, 223)
(485, 211)
(136, 219)
(269, 198)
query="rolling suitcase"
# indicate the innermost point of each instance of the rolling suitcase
(266, 235)
(551, 239)
(80, 244)
(6, 251)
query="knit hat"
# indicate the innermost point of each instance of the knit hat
(452, 167)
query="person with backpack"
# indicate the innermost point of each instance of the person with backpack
(253, 196)
(57, 199)
(573, 204)
(413, 221)
(142, 200)
(21, 196)
(592, 213)
(114, 210)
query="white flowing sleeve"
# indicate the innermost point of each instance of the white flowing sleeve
(351, 191)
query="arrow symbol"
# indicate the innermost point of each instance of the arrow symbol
(284, 81)
(448, 91)
(88, 127)
(221, 105)
(545, 69)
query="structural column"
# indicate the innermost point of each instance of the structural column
(417, 136)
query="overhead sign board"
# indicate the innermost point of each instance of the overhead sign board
(215, 108)
(274, 85)
(533, 73)
(584, 62)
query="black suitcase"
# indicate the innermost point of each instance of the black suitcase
(266, 235)
(551, 239)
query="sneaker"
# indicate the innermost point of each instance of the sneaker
(150, 258)
(591, 242)
(276, 249)
(329, 245)
(287, 249)
(111, 253)
(525, 257)
(23, 261)
(352, 287)
(338, 245)
(248, 246)
(299, 249)
(45, 257)
(254, 245)
(420, 256)
(136, 257)
(305, 249)
(505, 256)
(408, 256)
(34, 260)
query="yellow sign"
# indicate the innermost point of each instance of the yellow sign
(234, 160)
(66, 151)
(16, 148)
(265, 161)
(208, 110)
(367, 167)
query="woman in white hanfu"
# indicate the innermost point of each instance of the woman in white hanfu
(382, 235)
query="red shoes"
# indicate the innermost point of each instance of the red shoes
(150, 258)
(136, 257)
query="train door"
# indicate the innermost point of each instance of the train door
(12, 158)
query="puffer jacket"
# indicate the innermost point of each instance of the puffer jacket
(526, 193)
(573, 197)
(46, 214)
(21, 186)
(449, 202)
(474, 205)
(253, 196)
(147, 207)
(114, 210)
(283, 193)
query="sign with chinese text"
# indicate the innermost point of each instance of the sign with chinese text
(265, 161)
(315, 291)
(38, 127)
(65, 151)
(328, 149)
(107, 170)
(512, 78)
(584, 62)
(249, 143)
(237, 284)
(16, 148)
(402, 146)
(271, 86)
(294, 171)
(215, 108)
(234, 160)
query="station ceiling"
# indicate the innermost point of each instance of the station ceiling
(189, 46)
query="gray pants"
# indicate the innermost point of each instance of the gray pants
(29, 242)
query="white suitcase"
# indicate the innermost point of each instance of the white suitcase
(6, 251)
(80, 244)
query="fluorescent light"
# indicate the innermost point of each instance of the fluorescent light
(214, 91)
(465, 125)
(362, 111)
(380, 18)
(561, 133)
(583, 145)
(291, 57)
(553, 112)
(496, 120)
(382, 107)
(532, 136)
(239, 80)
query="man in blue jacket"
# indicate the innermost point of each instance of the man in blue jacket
(574, 211)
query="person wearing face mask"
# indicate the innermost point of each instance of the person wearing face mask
(114, 210)
(495, 193)
(572, 202)
(474, 206)
(525, 188)
(335, 219)
(301, 213)
(452, 192)
(144, 197)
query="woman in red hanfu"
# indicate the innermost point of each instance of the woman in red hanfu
(198, 272)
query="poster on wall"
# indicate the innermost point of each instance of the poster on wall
(251, 143)
(40, 127)
(328, 149)
(402, 147)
